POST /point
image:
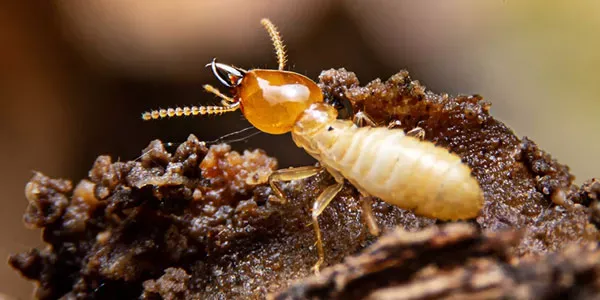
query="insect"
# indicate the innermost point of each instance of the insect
(400, 168)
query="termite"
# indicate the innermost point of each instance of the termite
(400, 168)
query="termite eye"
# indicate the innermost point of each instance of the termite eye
(329, 128)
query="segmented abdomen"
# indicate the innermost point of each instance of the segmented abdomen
(401, 170)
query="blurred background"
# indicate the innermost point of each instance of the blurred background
(76, 75)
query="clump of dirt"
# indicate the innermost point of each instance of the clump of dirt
(198, 223)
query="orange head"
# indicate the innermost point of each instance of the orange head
(271, 100)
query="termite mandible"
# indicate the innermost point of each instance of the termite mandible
(401, 169)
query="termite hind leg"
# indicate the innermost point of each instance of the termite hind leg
(289, 175)
(417, 132)
(362, 117)
(213, 90)
(367, 202)
(320, 204)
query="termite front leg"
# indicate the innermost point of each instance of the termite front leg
(289, 175)
(320, 204)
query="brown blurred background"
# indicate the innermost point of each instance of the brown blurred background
(75, 75)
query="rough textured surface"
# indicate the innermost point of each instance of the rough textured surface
(521, 183)
(201, 217)
(454, 261)
(198, 223)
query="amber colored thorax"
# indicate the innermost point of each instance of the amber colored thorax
(272, 100)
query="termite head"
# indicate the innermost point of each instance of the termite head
(271, 100)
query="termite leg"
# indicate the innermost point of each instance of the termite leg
(289, 175)
(417, 132)
(366, 202)
(320, 204)
(395, 124)
(213, 90)
(361, 117)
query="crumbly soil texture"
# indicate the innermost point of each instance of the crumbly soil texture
(202, 223)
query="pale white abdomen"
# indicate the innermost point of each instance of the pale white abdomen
(399, 169)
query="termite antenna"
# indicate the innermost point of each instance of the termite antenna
(188, 111)
(277, 42)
